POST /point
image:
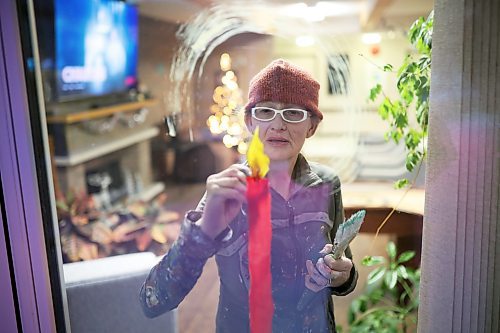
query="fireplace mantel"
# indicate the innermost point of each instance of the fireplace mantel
(88, 154)
(96, 113)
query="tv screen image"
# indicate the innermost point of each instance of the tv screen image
(96, 48)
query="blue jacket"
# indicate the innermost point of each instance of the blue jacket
(301, 226)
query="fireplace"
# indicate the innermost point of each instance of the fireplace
(112, 176)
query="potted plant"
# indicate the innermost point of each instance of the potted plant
(390, 300)
(408, 114)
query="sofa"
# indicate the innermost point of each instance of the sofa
(103, 296)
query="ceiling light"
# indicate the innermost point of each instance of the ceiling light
(304, 41)
(322, 9)
(339, 8)
(371, 38)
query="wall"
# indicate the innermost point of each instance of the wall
(363, 64)
(157, 44)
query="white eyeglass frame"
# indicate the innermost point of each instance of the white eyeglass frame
(280, 112)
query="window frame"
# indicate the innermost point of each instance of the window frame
(38, 297)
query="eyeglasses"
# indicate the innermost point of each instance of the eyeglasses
(265, 113)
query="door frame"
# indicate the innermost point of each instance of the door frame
(37, 302)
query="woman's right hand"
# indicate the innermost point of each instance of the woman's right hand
(226, 192)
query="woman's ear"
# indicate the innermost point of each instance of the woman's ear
(248, 122)
(312, 129)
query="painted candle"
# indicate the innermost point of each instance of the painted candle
(259, 244)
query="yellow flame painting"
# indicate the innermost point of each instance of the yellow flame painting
(257, 159)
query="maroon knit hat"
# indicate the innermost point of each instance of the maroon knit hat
(281, 81)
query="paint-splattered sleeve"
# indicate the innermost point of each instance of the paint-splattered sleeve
(175, 275)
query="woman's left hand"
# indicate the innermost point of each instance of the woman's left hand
(328, 272)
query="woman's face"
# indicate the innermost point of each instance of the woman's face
(282, 140)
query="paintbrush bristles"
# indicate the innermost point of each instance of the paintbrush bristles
(346, 233)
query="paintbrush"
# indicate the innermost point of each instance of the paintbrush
(344, 235)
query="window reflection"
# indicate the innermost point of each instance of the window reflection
(137, 122)
(101, 130)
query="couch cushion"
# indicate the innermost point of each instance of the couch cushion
(103, 295)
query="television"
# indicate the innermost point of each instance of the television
(93, 50)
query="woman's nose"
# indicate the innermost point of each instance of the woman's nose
(278, 123)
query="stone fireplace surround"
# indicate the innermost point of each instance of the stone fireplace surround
(123, 152)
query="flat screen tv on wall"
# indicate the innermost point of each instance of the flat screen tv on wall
(93, 50)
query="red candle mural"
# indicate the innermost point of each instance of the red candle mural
(259, 244)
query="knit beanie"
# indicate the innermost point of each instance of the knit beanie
(281, 81)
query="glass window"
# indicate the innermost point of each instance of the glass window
(144, 102)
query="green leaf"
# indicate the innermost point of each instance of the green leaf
(391, 250)
(385, 109)
(406, 256)
(402, 79)
(423, 63)
(351, 316)
(423, 116)
(399, 184)
(363, 304)
(415, 29)
(418, 83)
(396, 135)
(401, 120)
(372, 260)
(412, 159)
(412, 139)
(412, 68)
(407, 94)
(375, 91)
(376, 295)
(402, 272)
(375, 275)
(355, 305)
(391, 278)
(388, 68)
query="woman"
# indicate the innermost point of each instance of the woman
(306, 212)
